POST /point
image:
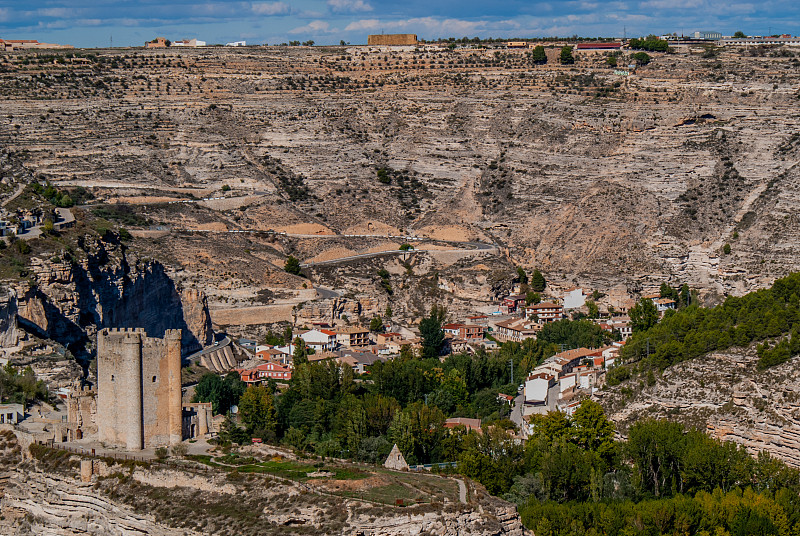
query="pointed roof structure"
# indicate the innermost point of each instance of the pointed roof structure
(396, 460)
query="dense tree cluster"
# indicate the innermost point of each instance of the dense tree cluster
(694, 331)
(650, 43)
(663, 480)
(21, 386)
(574, 334)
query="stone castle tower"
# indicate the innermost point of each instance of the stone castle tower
(139, 388)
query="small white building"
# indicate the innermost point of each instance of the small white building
(11, 413)
(189, 43)
(236, 44)
(321, 340)
(574, 298)
(536, 388)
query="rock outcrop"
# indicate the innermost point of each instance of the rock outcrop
(109, 287)
(58, 494)
(9, 334)
(725, 395)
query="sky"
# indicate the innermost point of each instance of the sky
(100, 23)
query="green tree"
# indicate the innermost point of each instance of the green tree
(300, 354)
(292, 265)
(666, 291)
(685, 296)
(739, 35)
(538, 282)
(257, 412)
(644, 315)
(642, 58)
(592, 430)
(566, 56)
(656, 449)
(522, 276)
(594, 311)
(532, 297)
(539, 56)
(430, 329)
(611, 61)
(726, 249)
(221, 392)
(376, 324)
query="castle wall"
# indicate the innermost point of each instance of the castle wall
(139, 388)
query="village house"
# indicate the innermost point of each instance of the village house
(464, 331)
(478, 320)
(189, 43)
(352, 337)
(320, 340)
(471, 425)
(516, 330)
(269, 353)
(384, 338)
(505, 399)
(570, 359)
(11, 413)
(265, 372)
(574, 298)
(358, 361)
(513, 302)
(158, 42)
(545, 312)
(665, 304)
(537, 388)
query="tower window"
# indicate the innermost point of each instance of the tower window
(112, 377)
(154, 379)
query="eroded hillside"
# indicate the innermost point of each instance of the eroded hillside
(587, 174)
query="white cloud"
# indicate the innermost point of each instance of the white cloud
(271, 8)
(434, 27)
(315, 27)
(349, 6)
(57, 12)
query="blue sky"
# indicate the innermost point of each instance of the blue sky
(87, 23)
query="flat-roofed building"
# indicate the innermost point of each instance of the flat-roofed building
(392, 40)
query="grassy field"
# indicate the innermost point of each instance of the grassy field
(387, 487)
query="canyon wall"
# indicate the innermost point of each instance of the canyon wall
(69, 299)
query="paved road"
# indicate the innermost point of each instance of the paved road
(462, 491)
(327, 294)
(359, 256)
(516, 412)
(20, 189)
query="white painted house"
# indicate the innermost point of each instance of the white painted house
(11, 413)
(321, 340)
(574, 298)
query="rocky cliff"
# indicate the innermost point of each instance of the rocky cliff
(106, 286)
(724, 394)
(44, 495)
(9, 335)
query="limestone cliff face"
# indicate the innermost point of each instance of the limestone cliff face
(9, 336)
(725, 395)
(335, 308)
(109, 288)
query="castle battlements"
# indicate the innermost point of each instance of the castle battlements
(139, 388)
